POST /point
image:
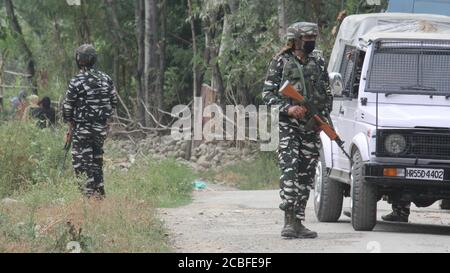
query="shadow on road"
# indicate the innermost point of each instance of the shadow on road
(412, 228)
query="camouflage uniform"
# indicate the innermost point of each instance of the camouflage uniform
(299, 145)
(90, 100)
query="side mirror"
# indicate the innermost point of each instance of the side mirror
(337, 84)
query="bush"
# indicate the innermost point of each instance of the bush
(50, 213)
(262, 173)
(165, 183)
(29, 156)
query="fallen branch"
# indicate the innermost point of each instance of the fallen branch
(17, 73)
(124, 106)
(17, 87)
(153, 117)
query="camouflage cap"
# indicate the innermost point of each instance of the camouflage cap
(86, 49)
(300, 29)
(86, 55)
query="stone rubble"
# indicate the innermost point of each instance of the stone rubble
(206, 156)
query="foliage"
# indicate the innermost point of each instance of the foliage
(262, 173)
(164, 184)
(50, 211)
(53, 30)
(29, 156)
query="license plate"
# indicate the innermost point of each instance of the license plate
(425, 174)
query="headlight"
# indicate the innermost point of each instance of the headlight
(395, 144)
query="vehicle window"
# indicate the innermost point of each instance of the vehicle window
(351, 68)
(441, 7)
(347, 66)
(410, 67)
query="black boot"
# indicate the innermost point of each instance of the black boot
(395, 217)
(302, 231)
(289, 229)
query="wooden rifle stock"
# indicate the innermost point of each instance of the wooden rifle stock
(289, 91)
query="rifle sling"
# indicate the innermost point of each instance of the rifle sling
(302, 77)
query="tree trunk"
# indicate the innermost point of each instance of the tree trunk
(282, 19)
(140, 34)
(2, 64)
(63, 54)
(17, 32)
(151, 61)
(162, 55)
(84, 29)
(116, 30)
(213, 23)
(196, 89)
(116, 67)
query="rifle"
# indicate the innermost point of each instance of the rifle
(67, 146)
(288, 90)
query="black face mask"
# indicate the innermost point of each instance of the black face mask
(309, 47)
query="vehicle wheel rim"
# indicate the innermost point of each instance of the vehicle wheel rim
(318, 183)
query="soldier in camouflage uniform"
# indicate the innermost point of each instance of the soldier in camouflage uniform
(299, 147)
(400, 212)
(90, 101)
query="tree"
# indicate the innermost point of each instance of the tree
(150, 38)
(140, 76)
(282, 19)
(213, 18)
(159, 52)
(17, 33)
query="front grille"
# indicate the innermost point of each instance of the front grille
(410, 67)
(422, 144)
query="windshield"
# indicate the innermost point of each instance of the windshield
(441, 7)
(410, 67)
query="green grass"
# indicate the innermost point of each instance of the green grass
(51, 212)
(260, 174)
(28, 156)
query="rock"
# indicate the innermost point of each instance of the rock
(211, 154)
(124, 165)
(216, 158)
(132, 158)
(169, 141)
(203, 148)
(204, 162)
(193, 165)
(184, 146)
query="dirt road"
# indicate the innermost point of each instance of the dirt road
(222, 220)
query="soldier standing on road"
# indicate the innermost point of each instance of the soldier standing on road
(304, 67)
(400, 212)
(90, 102)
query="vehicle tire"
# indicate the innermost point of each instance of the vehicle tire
(328, 194)
(364, 198)
(445, 204)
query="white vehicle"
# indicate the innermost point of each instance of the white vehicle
(390, 75)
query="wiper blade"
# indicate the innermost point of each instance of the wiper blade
(418, 88)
